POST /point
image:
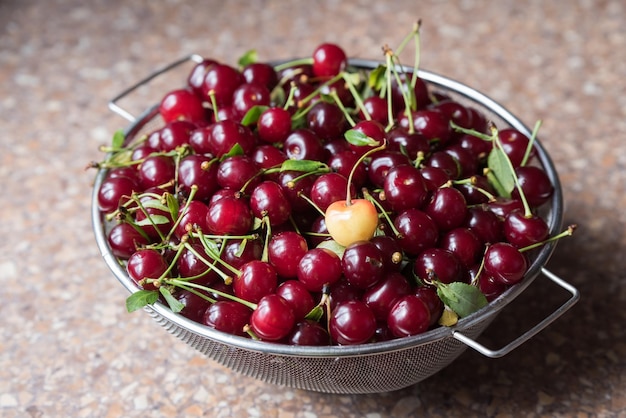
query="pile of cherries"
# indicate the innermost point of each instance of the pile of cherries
(224, 211)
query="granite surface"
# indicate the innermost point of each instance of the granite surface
(68, 348)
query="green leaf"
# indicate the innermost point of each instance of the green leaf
(172, 204)
(462, 298)
(249, 57)
(333, 246)
(306, 166)
(153, 220)
(175, 305)
(235, 150)
(252, 116)
(359, 139)
(376, 79)
(315, 314)
(118, 139)
(155, 204)
(141, 299)
(499, 165)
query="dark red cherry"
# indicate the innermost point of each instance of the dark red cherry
(429, 296)
(447, 207)
(442, 264)
(522, 231)
(412, 144)
(404, 188)
(298, 297)
(193, 264)
(182, 104)
(344, 163)
(229, 215)
(463, 243)
(273, 319)
(326, 120)
(362, 264)
(227, 316)
(377, 108)
(514, 143)
(352, 322)
(194, 305)
(238, 172)
(408, 316)
(535, 184)
(296, 185)
(382, 162)
(237, 252)
(505, 263)
(257, 279)
(329, 60)
(329, 188)
(195, 80)
(268, 199)
(285, 249)
(308, 333)
(146, 264)
(434, 177)
(157, 171)
(418, 231)
(383, 295)
(225, 134)
(173, 135)
(200, 171)
(260, 73)
(248, 95)
(192, 217)
(124, 240)
(304, 144)
(485, 224)
(114, 192)
(319, 267)
(274, 125)
(221, 80)
(430, 123)
(391, 251)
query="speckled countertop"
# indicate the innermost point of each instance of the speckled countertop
(68, 348)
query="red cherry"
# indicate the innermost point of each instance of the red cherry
(273, 318)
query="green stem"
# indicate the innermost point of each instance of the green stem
(567, 233)
(531, 143)
(293, 63)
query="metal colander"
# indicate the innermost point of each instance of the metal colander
(366, 368)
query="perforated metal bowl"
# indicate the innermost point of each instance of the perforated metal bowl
(367, 368)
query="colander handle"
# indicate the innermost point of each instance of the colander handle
(114, 107)
(531, 332)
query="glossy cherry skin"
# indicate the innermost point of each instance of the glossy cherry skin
(412, 144)
(485, 224)
(362, 264)
(408, 316)
(308, 333)
(352, 322)
(447, 207)
(222, 136)
(329, 60)
(404, 188)
(438, 264)
(298, 297)
(418, 231)
(430, 123)
(198, 170)
(248, 95)
(194, 305)
(156, 171)
(514, 144)
(329, 188)
(229, 215)
(189, 265)
(221, 80)
(383, 161)
(505, 263)
(260, 73)
(173, 135)
(273, 319)
(124, 239)
(344, 163)
(114, 192)
(326, 120)
(195, 79)
(522, 231)
(304, 144)
(237, 252)
(268, 200)
(391, 251)
(182, 104)
(535, 184)
(274, 125)
(146, 264)
(285, 249)
(377, 108)
(238, 172)
(295, 185)
(463, 243)
(319, 267)
(227, 316)
(192, 217)
(429, 296)
(257, 279)
(383, 295)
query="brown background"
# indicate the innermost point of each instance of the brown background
(67, 346)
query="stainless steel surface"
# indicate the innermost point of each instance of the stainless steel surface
(366, 368)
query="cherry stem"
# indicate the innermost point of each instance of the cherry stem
(355, 94)
(192, 194)
(472, 182)
(531, 143)
(214, 105)
(382, 210)
(293, 63)
(178, 283)
(388, 53)
(569, 231)
(335, 96)
(209, 264)
(312, 203)
(354, 167)
(289, 100)
(208, 248)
